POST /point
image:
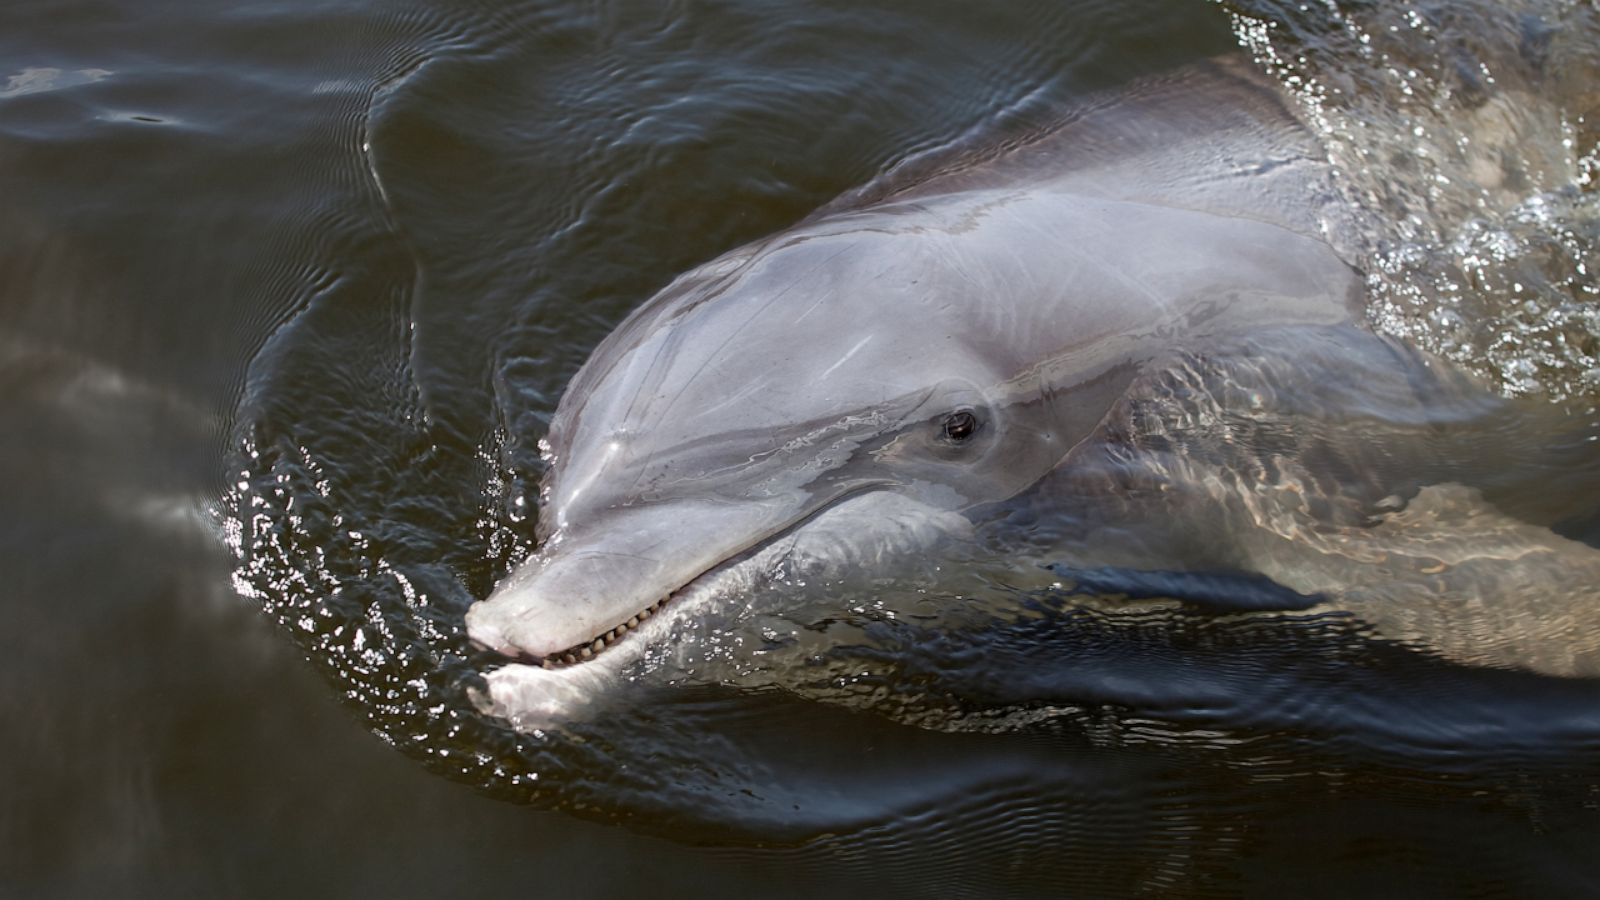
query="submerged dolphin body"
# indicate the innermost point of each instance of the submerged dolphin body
(1085, 316)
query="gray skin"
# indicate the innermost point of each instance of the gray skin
(804, 385)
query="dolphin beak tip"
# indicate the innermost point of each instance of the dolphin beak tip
(484, 631)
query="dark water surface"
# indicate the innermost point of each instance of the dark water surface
(288, 290)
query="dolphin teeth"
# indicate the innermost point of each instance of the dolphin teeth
(586, 652)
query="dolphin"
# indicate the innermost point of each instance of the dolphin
(1147, 312)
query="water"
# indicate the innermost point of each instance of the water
(308, 279)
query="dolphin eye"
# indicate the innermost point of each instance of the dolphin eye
(960, 425)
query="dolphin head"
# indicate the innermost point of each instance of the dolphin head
(942, 352)
(752, 395)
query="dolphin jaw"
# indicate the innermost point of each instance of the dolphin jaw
(506, 621)
(484, 630)
(532, 696)
(567, 604)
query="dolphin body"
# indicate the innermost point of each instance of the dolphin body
(1146, 314)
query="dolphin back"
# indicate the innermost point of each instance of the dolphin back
(1215, 137)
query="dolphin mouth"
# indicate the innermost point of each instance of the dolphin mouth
(585, 651)
(591, 648)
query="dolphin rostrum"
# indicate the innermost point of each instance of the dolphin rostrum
(954, 338)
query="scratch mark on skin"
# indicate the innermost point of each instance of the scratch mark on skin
(741, 394)
(846, 358)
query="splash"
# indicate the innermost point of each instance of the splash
(1467, 136)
